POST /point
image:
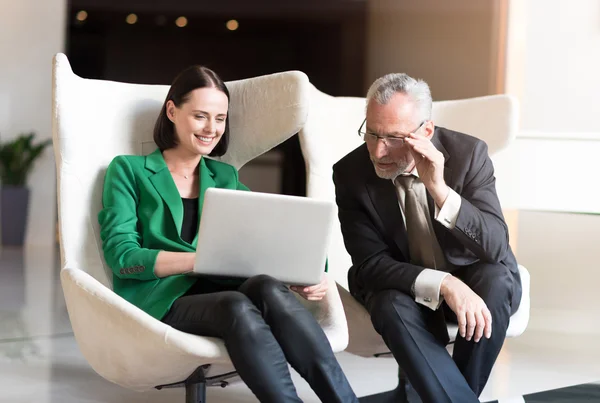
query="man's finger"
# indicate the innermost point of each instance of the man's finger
(480, 326)
(488, 323)
(418, 136)
(424, 151)
(462, 324)
(423, 154)
(471, 323)
(415, 154)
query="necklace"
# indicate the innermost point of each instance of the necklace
(177, 173)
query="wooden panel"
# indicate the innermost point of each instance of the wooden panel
(512, 220)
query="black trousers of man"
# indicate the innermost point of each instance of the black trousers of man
(417, 336)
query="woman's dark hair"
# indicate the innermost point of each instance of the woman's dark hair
(188, 80)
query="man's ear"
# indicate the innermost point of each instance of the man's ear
(428, 129)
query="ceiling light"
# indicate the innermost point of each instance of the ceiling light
(82, 15)
(232, 25)
(131, 19)
(181, 22)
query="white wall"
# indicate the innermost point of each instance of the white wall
(561, 252)
(561, 65)
(31, 32)
(553, 60)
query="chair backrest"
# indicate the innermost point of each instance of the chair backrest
(94, 120)
(331, 132)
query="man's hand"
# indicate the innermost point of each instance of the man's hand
(429, 162)
(315, 292)
(474, 318)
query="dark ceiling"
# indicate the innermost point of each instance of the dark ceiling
(314, 9)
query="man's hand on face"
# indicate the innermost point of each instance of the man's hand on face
(429, 162)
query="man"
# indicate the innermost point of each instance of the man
(422, 221)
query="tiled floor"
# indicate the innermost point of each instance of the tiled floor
(40, 361)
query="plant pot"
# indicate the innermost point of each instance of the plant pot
(14, 206)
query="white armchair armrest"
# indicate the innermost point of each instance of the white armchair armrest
(329, 313)
(126, 345)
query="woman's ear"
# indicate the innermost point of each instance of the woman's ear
(170, 110)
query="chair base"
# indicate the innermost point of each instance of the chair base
(195, 392)
(404, 393)
(195, 385)
(392, 396)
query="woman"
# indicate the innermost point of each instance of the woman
(149, 224)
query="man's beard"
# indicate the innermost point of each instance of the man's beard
(391, 174)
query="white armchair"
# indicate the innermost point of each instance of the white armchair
(331, 132)
(93, 121)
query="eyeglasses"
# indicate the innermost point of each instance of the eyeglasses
(388, 141)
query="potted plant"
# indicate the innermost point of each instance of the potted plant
(16, 160)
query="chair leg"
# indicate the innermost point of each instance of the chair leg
(195, 392)
(406, 390)
(195, 384)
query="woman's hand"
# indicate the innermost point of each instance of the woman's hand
(315, 292)
(172, 263)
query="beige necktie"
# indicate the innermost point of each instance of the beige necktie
(420, 244)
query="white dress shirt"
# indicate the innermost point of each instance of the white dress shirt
(428, 283)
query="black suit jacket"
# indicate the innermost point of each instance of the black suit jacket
(373, 228)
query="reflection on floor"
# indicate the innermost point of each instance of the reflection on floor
(40, 361)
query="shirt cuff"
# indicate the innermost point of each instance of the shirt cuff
(427, 288)
(448, 214)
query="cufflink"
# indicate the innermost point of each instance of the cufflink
(447, 220)
(427, 299)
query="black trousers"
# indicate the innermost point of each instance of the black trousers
(264, 327)
(417, 336)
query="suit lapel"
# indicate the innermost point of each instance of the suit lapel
(206, 181)
(165, 186)
(384, 198)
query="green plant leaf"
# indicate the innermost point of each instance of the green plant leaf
(17, 158)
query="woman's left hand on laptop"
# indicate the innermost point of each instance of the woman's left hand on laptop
(315, 292)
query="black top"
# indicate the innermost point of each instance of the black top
(189, 227)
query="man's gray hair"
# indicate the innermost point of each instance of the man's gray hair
(385, 87)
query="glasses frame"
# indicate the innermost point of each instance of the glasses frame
(387, 139)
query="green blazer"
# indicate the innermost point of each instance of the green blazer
(142, 214)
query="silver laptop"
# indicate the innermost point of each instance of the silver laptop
(243, 234)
